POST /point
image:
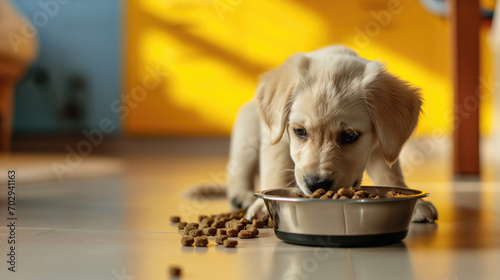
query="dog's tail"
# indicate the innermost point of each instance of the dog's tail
(206, 191)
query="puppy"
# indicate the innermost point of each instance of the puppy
(319, 121)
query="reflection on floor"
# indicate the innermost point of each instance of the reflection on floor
(115, 225)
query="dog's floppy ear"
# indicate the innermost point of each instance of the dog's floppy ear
(275, 93)
(394, 106)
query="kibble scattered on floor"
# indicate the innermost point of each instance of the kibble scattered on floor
(230, 243)
(175, 271)
(219, 239)
(220, 228)
(187, 240)
(201, 241)
(175, 219)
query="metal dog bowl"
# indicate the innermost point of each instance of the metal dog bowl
(341, 223)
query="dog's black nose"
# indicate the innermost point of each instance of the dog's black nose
(315, 182)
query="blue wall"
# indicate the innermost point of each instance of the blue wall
(78, 38)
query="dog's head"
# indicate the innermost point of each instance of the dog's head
(336, 108)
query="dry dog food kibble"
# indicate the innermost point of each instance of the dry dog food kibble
(221, 227)
(187, 240)
(327, 195)
(361, 193)
(210, 231)
(224, 215)
(347, 193)
(181, 225)
(356, 197)
(175, 219)
(175, 271)
(201, 241)
(245, 234)
(219, 224)
(207, 221)
(253, 229)
(258, 223)
(190, 227)
(235, 224)
(318, 193)
(219, 239)
(245, 221)
(236, 216)
(394, 194)
(232, 232)
(196, 232)
(187, 230)
(239, 226)
(230, 243)
(203, 225)
(201, 217)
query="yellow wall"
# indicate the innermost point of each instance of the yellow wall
(211, 52)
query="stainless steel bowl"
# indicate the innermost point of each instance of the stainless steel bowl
(341, 223)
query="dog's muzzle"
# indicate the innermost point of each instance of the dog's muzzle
(315, 182)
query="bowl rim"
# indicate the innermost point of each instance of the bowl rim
(421, 194)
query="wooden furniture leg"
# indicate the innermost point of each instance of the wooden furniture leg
(5, 116)
(6, 112)
(465, 24)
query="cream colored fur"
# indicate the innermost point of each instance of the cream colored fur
(332, 95)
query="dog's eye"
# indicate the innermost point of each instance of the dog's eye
(301, 132)
(348, 138)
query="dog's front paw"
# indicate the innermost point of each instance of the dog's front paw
(426, 212)
(257, 211)
(240, 198)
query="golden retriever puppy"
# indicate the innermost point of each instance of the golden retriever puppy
(319, 121)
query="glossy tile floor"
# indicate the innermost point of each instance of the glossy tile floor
(115, 225)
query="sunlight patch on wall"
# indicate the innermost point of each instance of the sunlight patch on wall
(435, 89)
(214, 56)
